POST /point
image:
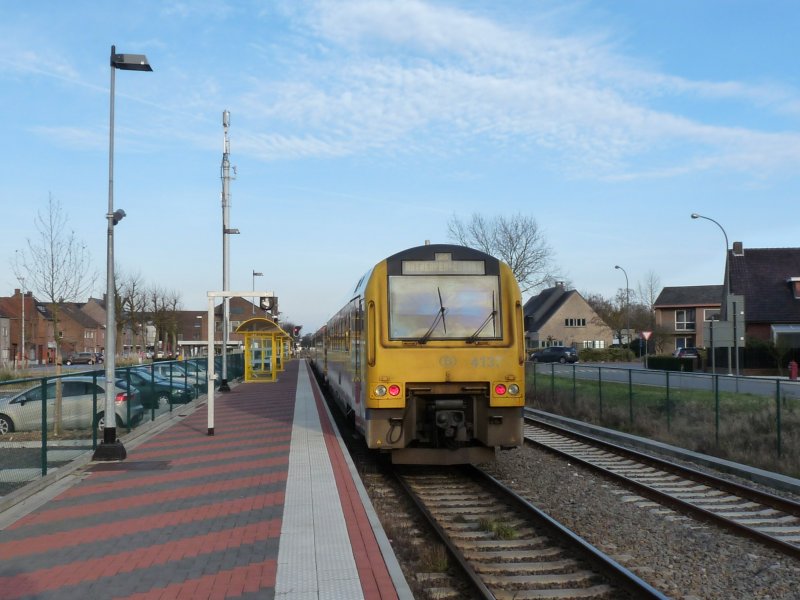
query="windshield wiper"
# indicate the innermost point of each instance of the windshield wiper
(471, 339)
(439, 317)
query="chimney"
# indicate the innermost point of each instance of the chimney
(738, 249)
(16, 292)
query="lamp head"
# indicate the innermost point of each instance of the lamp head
(130, 62)
(119, 214)
(616, 266)
(695, 216)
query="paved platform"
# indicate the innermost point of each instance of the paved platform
(268, 507)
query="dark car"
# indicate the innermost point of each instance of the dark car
(562, 354)
(687, 353)
(157, 392)
(81, 358)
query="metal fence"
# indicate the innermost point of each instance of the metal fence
(49, 420)
(751, 420)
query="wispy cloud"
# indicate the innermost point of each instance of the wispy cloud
(396, 76)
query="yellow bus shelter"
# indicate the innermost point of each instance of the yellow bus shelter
(266, 348)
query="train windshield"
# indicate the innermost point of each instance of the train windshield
(444, 307)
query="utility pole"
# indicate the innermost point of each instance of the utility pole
(226, 182)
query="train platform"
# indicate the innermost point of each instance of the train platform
(270, 506)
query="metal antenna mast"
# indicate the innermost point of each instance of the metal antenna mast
(226, 230)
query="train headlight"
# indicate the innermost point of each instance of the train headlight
(394, 390)
(380, 390)
(500, 389)
(513, 389)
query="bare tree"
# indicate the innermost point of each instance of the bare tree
(612, 313)
(515, 240)
(133, 303)
(57, 267)
(162, 306)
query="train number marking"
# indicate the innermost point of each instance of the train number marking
(447, 361)
(485, 362)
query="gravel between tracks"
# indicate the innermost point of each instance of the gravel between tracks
(678, 555)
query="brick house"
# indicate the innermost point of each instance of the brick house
(37, 326)
(768, 279)
(680, 312)
(192, 325)
(78, 331)
(561, 317)
(6, 358)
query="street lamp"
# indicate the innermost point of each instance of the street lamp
(255, 274)
(628, 305)
(726, 287)
(111, 448)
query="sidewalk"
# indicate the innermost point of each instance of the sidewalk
(265, 508)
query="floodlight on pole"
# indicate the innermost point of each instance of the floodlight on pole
(111, 448)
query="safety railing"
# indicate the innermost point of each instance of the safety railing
(47, 421)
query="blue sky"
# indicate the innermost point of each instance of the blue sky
(359, 128)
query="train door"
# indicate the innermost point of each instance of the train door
(355, 351)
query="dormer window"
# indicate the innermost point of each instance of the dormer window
(794, 282)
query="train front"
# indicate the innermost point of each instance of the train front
(444, 356)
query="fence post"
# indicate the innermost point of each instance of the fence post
(778, 412)
(128, 402)
(600, 391)
(553, 383)
(574, 392)
(94, 410)
(716, 410)
(630, 396)
(669, 418)
(44, 427)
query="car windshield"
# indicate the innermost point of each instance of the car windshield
(444, 307)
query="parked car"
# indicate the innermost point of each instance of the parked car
(174, 371)
(23, 411)
(81, 358)
(562, 354)
(687, 353)
(157, 392)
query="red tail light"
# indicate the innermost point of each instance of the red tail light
(394, 390)
(121, 397)
(500, 389)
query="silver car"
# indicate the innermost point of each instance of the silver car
(23, 411)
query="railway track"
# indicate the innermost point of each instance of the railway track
(761, 516)
(507, 547)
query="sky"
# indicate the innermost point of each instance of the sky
(360, 128)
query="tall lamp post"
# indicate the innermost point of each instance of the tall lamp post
(111, 448)
(255, 274)
(726, 287)
(627, 304)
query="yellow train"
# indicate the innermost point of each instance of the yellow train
(427, 357)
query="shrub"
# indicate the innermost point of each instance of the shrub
(606, 355)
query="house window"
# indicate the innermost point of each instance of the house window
(684, 342)
(574, 322)
(594, 344)
(710, 314)
(684, 320)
